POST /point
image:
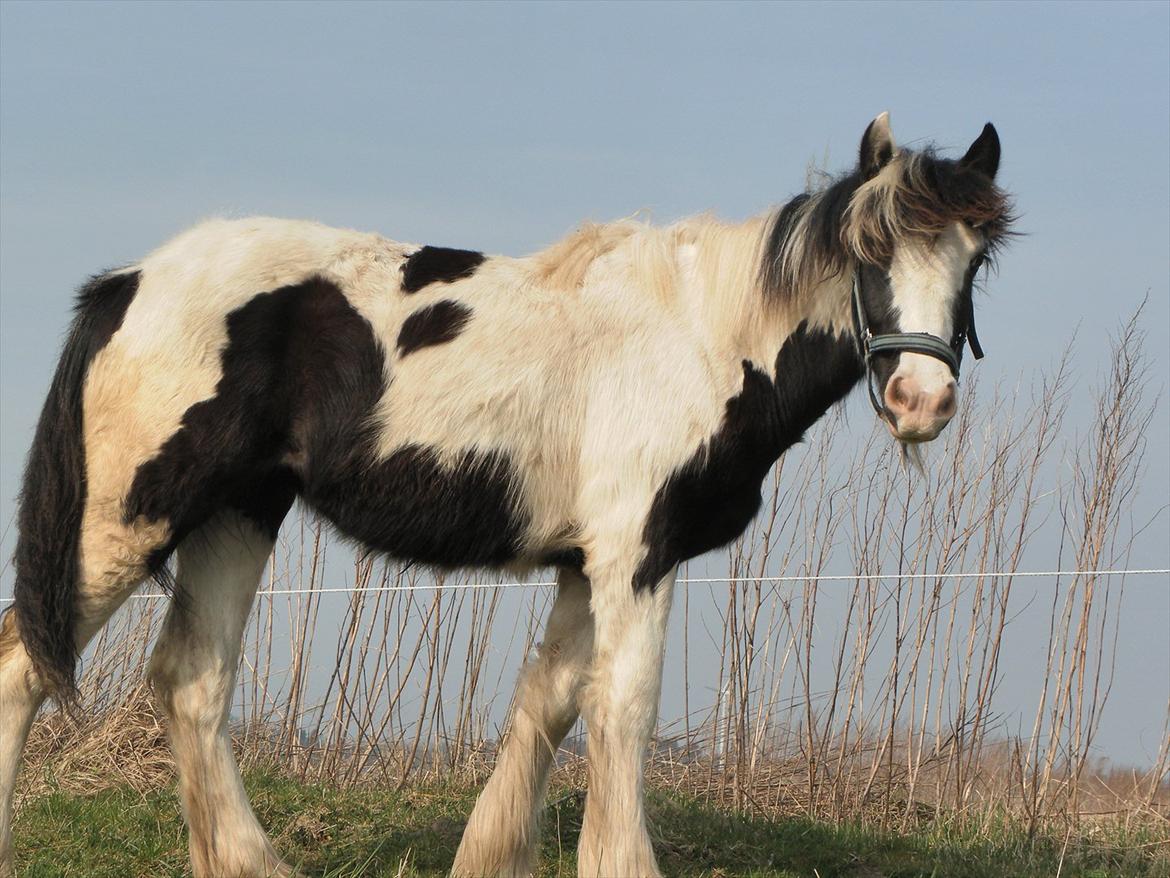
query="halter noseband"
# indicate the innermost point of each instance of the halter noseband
(914, 342)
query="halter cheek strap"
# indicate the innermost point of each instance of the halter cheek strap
(913, 342)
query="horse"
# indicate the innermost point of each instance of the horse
(609, 406)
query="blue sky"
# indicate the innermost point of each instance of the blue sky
(499, 127)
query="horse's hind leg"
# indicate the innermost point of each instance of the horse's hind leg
(114, 562)
(193, 670)
(500, 838)
(21, 694)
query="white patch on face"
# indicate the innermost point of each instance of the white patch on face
(925, 279)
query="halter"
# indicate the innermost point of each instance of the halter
(914, 342)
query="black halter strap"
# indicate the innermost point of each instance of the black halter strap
(914, 342)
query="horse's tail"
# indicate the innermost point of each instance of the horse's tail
(52, 498)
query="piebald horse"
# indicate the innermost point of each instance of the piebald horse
(609, 406)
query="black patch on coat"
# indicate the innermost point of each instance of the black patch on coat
(292, 414)
(438, 264)
(572, 559)
(52, 498)
(414, 507)
(266, 503)
(229, 447)
(432, 325)
(710, 500)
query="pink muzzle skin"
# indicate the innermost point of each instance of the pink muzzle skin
(914, 415)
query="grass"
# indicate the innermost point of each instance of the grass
(361, 833)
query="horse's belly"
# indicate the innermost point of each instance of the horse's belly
(413, 507)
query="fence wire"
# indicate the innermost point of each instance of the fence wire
(696, 580)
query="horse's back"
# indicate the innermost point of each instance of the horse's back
(262, 359)
(435, 404)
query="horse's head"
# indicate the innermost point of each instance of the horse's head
(919, 228)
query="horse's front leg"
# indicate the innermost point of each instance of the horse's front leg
(620, 707)
(500, 839)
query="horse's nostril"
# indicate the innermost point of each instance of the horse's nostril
(945, 404)
(895, 393)
(900, 396)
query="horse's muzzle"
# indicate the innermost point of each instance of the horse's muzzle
(915, 415)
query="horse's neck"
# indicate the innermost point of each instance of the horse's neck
(803, 340)
(817, 361)
(745, 323)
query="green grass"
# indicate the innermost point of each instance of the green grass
(359, 833)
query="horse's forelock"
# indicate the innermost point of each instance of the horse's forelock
(917, 196)
(819, 234)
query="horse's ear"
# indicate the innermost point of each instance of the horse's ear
(984, 152)
(877, 146)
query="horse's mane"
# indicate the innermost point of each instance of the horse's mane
(565, 263)
(727, 254)
(821, 233)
